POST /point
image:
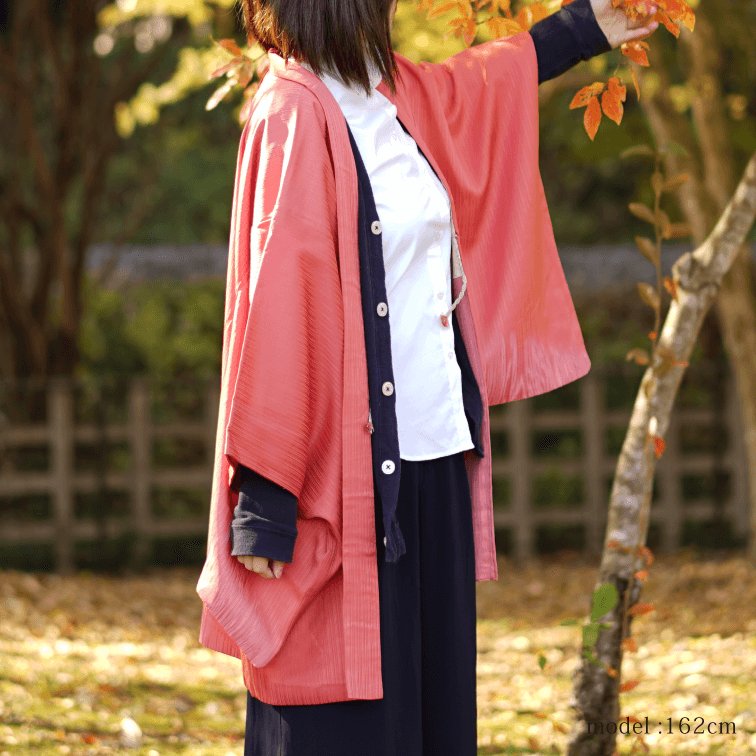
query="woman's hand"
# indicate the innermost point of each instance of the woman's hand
(268, 568)
(617, 27)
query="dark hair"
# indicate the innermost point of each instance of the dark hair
(336, 36)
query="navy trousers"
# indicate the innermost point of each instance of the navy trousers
(428, 641)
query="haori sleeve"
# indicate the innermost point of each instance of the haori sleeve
(283, 244)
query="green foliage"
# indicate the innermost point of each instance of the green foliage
(168, 331)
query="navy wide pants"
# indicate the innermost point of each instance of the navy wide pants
(428, 641)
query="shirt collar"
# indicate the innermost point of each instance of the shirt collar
(352, 94)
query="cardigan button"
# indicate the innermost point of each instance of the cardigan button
(387, 466)
(382, 309)
(375, 227)
(384, 540)
(387, 388)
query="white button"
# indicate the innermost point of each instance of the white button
(387, 466)
(382, 308)
(388, 388)
(450, 354)
(375, 227)
(384, 540)
(440, 295)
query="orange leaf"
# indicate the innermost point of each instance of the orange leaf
(635, 82)
(638, 356)
(226, 68)
(629, 644)
(680, 11)
(611, 105)
(440, 10)
(652, 335)
(230, 46)
(469, 32)
(641, 574)
(636, 51)
(671, 287)
(611, 671)
(637, 609)
(659, 446)
(629, 685)
(671, 27)
(583, 96)
(646, 554)
(615, 86)
(592, 117)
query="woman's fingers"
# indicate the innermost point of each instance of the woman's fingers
(618, 28)
(643, 31)
(267, 568)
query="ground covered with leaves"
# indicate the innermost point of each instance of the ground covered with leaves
(93, 664)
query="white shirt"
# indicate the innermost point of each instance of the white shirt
(415, 214)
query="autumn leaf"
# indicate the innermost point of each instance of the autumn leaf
(642, 211)
(648, 249)
(648, 294)
(226, 68)
(592, 117)
(636, 51)
(611, 105)
(583, 96)
(674, 181)
(659, 446)
(635, 82)
(670, 26)
(646, 554)
(681, 12)
(629, 685)
(639, 356)
(440, 10)
(670, 286)
(629, 644)
(677, 231)
(229, 46)
(641, 574)
(638, 609)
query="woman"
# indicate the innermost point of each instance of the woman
(392, 274)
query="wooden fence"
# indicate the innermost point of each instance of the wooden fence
(525, 476)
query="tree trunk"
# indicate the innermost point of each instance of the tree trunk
(698, 276)
(711, 166)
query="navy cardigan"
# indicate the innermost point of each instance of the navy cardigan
(264, 520)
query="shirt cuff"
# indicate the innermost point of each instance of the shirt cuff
(566, 37)
(592, 39)
(264, 521)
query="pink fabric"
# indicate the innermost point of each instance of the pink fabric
(294, 392)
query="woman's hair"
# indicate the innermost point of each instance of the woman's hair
(335, 36)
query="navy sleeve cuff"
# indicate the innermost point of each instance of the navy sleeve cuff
(566, 37)
(265, 517)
